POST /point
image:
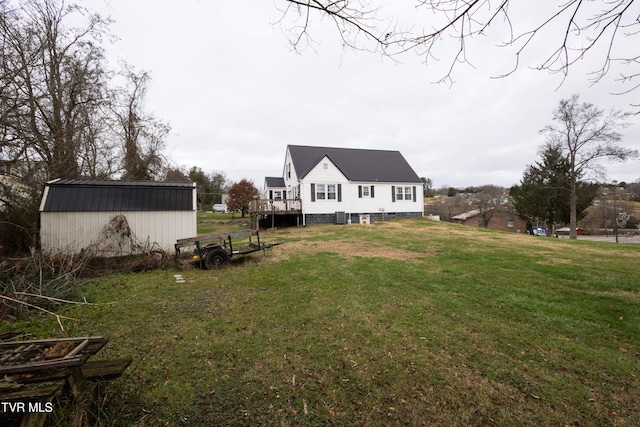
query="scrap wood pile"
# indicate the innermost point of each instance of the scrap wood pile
(51, 374)
(24, 356)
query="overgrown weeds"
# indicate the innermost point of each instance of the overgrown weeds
(40, 281)
(45, 281)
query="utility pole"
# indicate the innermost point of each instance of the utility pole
(615, 211)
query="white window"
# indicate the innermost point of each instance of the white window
(365, 191)
(321, 192)
(331, 191)
(403, 193)
(326, 192)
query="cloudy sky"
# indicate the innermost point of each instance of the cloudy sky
(235, 94)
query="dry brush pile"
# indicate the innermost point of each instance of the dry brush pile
(44, 281)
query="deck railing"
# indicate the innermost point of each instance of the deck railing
(275, 206)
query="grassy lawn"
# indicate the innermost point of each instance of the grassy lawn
(212, 222)
(399, 323)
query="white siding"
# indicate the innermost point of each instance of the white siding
(74, 231)
(382, 201)
(325, 172)
(290, 177)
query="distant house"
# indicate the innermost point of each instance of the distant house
(327, 185)
(15, 178)
(501, 219)
(473, 216)
(116, 217)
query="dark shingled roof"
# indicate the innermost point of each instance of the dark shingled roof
(75, 195)
(274, 182)
(356, 164)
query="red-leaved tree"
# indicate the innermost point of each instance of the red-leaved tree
(240, 196)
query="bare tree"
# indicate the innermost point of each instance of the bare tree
(51, 77)
(141, 135)
(447, 207)
(219, 184)
(585, 135)
(97, 154)
(174, 173)
(487, 200)
(577, 27)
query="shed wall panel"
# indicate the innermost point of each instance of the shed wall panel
(74, 231)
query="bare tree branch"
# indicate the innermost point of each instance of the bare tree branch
(597, 28)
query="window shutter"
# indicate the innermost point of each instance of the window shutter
(270, 194)
(360, 191)
(339, 192)
(313, 192)
(415, 194)
(393, 193)
(372, 195)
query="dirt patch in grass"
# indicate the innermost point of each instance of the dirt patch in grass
(351, 246)
(352, 249)
(551, 259)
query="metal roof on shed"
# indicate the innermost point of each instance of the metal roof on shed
(66, 195)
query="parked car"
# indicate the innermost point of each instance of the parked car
(540, 231)
(219, 207)
(564, 231)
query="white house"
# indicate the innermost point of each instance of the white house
(343, 184)
(116, 217)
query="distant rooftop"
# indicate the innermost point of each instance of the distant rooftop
(274, 182)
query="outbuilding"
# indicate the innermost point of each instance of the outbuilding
(116, 217)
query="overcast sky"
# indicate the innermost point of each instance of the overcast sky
(225, 78)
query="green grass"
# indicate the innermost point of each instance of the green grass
(213, 222)
(399, 323)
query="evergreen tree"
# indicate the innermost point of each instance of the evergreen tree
(544, 191)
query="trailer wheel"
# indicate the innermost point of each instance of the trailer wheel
(216, 258)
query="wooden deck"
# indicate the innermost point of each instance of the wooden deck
(275, 207)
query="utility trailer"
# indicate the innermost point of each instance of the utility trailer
(213, 250)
